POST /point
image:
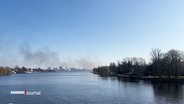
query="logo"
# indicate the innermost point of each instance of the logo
(25, 92)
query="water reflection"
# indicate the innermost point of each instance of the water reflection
(127, 80)
(171, 92)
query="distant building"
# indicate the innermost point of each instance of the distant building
(60, 68)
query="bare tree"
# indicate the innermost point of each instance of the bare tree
(175, 59)
(156, 57)
(156, 54)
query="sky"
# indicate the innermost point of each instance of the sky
(87, 33)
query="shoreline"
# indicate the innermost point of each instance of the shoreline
(151, 78)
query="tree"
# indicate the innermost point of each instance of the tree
(5, 71)
(103, 70)
(175, 59)
(156, 57)
(113, 68)
(24, 69)
(156, 54)
(139, 66)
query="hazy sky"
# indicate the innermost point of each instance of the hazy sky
(87, 33)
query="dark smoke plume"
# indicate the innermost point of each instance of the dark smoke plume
(42, 57)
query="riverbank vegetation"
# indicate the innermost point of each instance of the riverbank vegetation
(5, 71)
(169, 65)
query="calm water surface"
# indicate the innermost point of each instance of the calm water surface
(86, 88)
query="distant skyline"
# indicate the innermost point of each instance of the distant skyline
(87, 33)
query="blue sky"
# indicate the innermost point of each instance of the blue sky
(96, 31)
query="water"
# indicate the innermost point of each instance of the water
(86, 88)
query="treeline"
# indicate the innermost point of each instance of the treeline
(23, 69)
(169, 64)
(5, 71)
